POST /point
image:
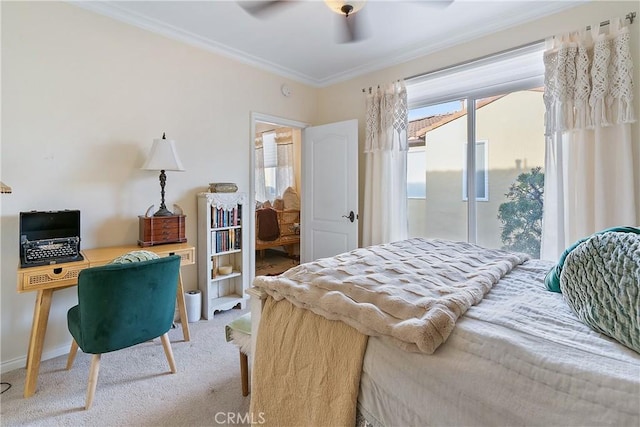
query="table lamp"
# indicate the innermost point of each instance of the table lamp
(163, 157)
(4, 188)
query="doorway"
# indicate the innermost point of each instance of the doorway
(274, 194)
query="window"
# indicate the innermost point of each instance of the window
(274, 163)
(497, 99)
(482, 172)
(416, 177)
(270, 164)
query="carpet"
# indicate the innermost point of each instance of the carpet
(135, 387)
(273, 262)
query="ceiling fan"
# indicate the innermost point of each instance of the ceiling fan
(353, 31)
(353, 28)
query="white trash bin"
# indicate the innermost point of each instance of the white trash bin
(193, 301)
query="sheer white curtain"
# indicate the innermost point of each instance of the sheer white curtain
(284, 162)
(261, 185)
(274, 164)
(385, 189)
(589, 176)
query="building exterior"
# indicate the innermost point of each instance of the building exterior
(510, 141)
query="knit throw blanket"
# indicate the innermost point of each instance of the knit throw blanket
(411, 291)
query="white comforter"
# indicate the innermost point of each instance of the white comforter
(520, 357)
(411, 291)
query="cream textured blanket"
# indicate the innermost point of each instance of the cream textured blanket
(412, 291)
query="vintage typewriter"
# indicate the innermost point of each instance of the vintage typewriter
(51, 237)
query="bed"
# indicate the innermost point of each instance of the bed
(516, 355)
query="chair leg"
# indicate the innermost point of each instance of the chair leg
(93, 380)
(166, 344)
(244, 373)
(72, 354)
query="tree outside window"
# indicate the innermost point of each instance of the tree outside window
(521, 215)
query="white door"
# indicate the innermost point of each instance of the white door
(329, 210)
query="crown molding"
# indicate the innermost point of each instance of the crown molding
(116, 12)
(499, 23)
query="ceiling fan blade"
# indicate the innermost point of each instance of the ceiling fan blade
(261, 8)
(438, 4)
(353, 30)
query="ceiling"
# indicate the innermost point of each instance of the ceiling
(300, 40)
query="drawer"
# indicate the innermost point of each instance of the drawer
(164, 234)
(54, 276)
(187, 255)
(160, 230)
(165, 227)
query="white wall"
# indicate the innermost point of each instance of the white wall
(83, 96)
(346, 101)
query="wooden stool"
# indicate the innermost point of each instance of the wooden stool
(239, 333)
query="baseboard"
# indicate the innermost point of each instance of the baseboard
(21, 362)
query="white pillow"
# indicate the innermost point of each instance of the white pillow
(291, 199)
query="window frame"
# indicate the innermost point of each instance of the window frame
(503, 72)
(465, 193)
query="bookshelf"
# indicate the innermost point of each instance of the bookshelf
(220, 245)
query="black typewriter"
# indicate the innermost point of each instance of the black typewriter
(51, 237)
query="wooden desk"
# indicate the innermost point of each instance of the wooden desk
(47, 279)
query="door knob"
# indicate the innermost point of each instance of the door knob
(351, 216)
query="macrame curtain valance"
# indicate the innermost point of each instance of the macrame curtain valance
(588, 80)
(284, 136)
(589, 182)
(387, 119)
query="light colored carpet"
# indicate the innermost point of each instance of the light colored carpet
(135, 387)
(273, 262)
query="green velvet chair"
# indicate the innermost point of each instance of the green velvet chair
(121, 305)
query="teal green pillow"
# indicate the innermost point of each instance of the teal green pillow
(552, 280)
(601, 283)
(135, 256)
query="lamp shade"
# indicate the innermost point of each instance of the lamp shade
(336, 5)
(163, 156)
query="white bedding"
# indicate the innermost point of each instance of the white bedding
(520, 357)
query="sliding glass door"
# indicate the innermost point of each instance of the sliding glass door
(436, 153)
(511, 129)
(479, 125)
(503, 165)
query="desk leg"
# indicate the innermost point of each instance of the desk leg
(182, 309)
(36, 341)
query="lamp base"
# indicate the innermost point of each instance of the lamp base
(163, 212)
